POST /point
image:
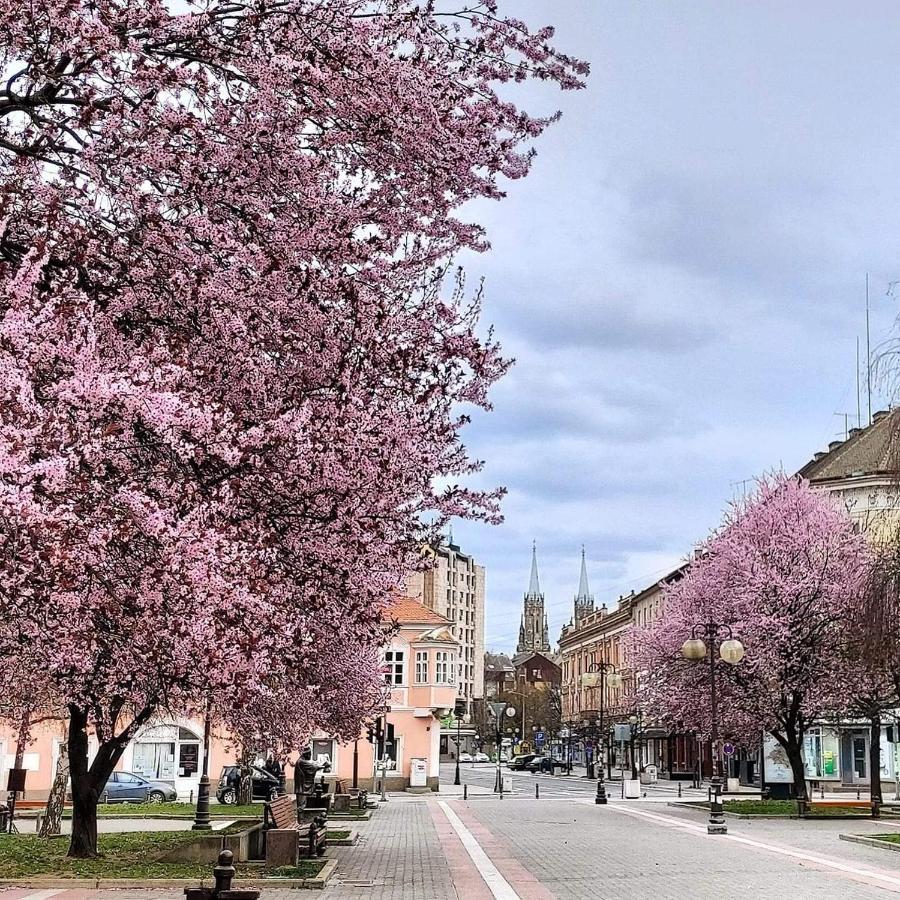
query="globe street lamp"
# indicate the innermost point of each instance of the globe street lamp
(731, 651)
(602, 673)
(500, 709)
(459, 720)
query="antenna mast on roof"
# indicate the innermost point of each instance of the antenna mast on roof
(846, 416)
(858, 397)
(868, 352)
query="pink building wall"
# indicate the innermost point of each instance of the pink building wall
(423, 692)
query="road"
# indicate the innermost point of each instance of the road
(483, 776)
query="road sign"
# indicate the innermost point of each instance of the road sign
(539, 738)
(728, 748)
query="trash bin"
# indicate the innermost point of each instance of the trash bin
(650, 775)
(631, 789)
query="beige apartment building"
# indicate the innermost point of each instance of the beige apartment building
(454, 588)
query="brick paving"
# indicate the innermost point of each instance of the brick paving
(572, 849)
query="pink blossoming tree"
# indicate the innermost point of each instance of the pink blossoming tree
(229, 374)
(782, 572)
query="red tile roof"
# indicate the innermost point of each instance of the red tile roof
(407, 611)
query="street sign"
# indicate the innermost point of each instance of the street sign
(728, 748)
(539, 738)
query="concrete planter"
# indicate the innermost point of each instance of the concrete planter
(246, 845)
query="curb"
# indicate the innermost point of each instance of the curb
(317, 883)
(869, 841)
(742, 816)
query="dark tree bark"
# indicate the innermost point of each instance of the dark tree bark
(798, 770)
(88, 781)
(791, 740)
(875, 756)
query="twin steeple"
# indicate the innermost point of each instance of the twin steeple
(534, 631)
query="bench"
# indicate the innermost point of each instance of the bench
(287, 839)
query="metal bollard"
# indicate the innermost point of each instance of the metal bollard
(465, 792)
(537, 792)
(857, 793)
(224, 871)
(679, 788)
(822, 793)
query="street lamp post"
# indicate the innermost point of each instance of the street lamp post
(731, 651)
(201, 815)
(459, 720)
(500, 709)
(602, 673)
(637, 731)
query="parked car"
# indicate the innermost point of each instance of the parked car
(126, 787)
(465, 757)
(264, 785)
(521, 763)
(481, 757)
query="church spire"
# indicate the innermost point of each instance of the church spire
(534, 633)
(584, 599)
(584, 590)
(534, 586)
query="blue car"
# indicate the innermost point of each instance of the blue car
(126, 787)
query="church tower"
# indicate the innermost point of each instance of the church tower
(534, 632)
(584, 599)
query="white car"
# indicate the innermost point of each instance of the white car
(465, 757)
(481, 757)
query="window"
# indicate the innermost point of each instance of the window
(323, 751)
(393, 663)
(443, 674)
(421, 666)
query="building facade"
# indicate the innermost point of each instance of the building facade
(420, 669)
(602, 635)
(453, 586)
(534, 630)
(862, 471)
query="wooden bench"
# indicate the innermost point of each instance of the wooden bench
(287, 839)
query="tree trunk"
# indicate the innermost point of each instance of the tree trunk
(245, 785)
(87, 782)
(794, 749)
(875, 756)
(85, 794)
(52, 821)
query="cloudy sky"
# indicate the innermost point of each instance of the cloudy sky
(682, 279)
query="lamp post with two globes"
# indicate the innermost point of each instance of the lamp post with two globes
(501, 709)
(731, 651)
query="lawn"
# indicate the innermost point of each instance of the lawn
(129, 855)
(175, 810)
(789, 808)
(337, 835)
(893, 838)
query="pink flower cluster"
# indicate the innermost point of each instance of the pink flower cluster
(230, 373)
